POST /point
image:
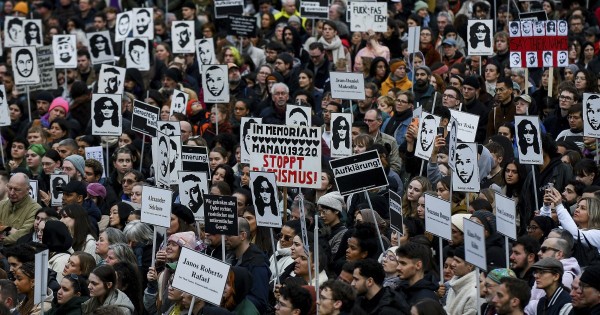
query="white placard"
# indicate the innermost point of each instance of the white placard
(438, 215)
(475, 251)
(143, 23)
(297, 115)
(205, 52)
(506, 223)
(215, 83)
(4, 114)
(111, 79)
(350, 86)
(25, 63)
(201, 275)
(41, 276)
(179, 100)
(341, 135)
(192, 188)
(33, 33)
(156, 206)
(174, 159)
(527, 132)
(539, 28)
(414, 38)
(33, 189)
(245, 139)
(96, 153)
(365, 16)
(137, 53)
(161, 147)
(183, 37)
(427, 133)
(65, 53)
(101, 49)
(266, 200)
(106, 117)
(169, 128)
(480, 37)
(467, 125)
(591, 115)
(466, 176)
(57, 181)
(452, 142)
(124, 25)
(14, 34)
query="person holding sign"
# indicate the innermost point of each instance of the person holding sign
(494, 245)
(463, 296)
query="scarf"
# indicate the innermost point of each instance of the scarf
(336, 47)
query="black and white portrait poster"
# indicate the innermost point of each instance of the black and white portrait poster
(183, 37)
(562, 28)
(466, 176)
(57, 182)
(111, 79)
(215, 83)
(161, 146)
(179, 100)
(547, 58)
(4, 113)
(144, 118)
(452, 141)
(297, 115)
(551, 28)
(14, 35)
(515, 59)
(143, 21)
(33, 189)
(25, 65)
(539, 28)
(527, 132)
(563, 59)
(427, 132)
(101, 49)
(480, 37)
(106, 115)
(266, 202)
(245, 139)
(124, 25)
(591, 115)
(33, 33)
(514, 29)
(526, 28)
(195, 158)
(170, 128)
(174, 158)
(192, 188)
(137, 54)
(341, 135)
(531, 59)
(205, 52)
(65, 53)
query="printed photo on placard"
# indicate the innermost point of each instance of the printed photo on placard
(4, 112)
(65, 53)
(547, 58)
(591, 115)
(531, 59)
(179, 100)
(562, 28)
(245, 138)
(539, 28)
(136, 53)
(205, 52)
(143, 21)
(466, 176)
(24, 60)
(526, 28)
(529, 145)
(192, 187)
(480, 37)
(515, 29)
(183, 37)
(551, 28)
(101, 49)
(161, 146)
(57, 182)
(33, 33)
(106, 118)
(174, 158)
(124, 25)
(515, 59)
(215, 83)
(33, 189)
(266, 200)
(341, 135)
(428, 125)
(111, 79)
(563, 59)
(297, 115)
(170, 128)
(14, 35)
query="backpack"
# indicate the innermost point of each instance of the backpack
(585, 253)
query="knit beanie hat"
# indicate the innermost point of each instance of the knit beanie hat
(460, 252)
(573, 67)
(487, 218)
(498, 274)
(44, 96)
(395, 64)
(546, 224)
(174, 74)
(21, 7)
(457, 220)
(420, 5)
(472, 82)
(78, 162)
(59, 101)
(332, 200)
(96, 190)
(591, 276)
(184, 239)
(38, 149)
(426, 68)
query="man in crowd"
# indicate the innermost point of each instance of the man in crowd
(17, 213)
(372, 296)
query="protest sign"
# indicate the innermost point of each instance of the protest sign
(46, 70)
(224, 8)
(220, 215)
(365, 16)
(183, 37)
(13, 32)
(245, 138)
(144, 118)
(414, 37)
(192, 188)
(358, 172)
(25, 62)
(535, 43)
(137, 54)
(205, 52)
(195, 159)
(4, 112)
(106, 118)
(124, 25)
(297, 115)
(57, 182)
(467, 125)
(179, 100)
(341, 137)
(161, 155)
(293, 153)
(95, 153)
(475, 251)
(265, 198)
(101, 50)
(33, 33)
(466, 175)
(240, 25)
(215, 83)
(156, 206)
(350, 86)
(527, 132)
(170, 128)
(452, 142)
(317, 9)
(480, 37)
(65, 53)
(174, 158)
(591, 115)
(427, 132)
(40, 290)
(506, 216)
(111, 79)
(201, 275)
(396, 219)
(438, 215)
(143, 21)
(33, 189)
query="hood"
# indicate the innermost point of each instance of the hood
(571, 264)
(57, 237)
(242, 283)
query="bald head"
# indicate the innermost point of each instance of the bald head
(18, 187)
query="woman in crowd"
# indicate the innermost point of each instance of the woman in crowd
(103, 291)
(585, 81)
(129, 280)
(416, 188)
(42, 215)
(58, 240)
(108, 237)
(259, 235)
(34, 156)
(25, 283)
(79, 263)
(76, 219)
(305, 260)
(380, 70)
(282, 257)
(224, 173)
(119, 214)
(139, 237)
(390, 265)
(217, 156)
(363, 243)
(305, 81)
(442, 189)
(72, 294)
(120, 252)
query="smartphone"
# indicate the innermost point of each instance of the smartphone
(440, 131)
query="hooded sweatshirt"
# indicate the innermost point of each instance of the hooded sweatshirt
(116, 297)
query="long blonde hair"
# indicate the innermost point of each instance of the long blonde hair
(407, 206)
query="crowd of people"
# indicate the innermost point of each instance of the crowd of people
(333, 254)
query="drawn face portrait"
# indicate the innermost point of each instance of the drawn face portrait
(143, 21)
(107, 109)
(137, 54)
(205, 52)
(481, 32)
(531, 58)
(548, 57)
(464, 163)
(428, 132)
(57, 183)
(66, 51)
(100, 43)
(179, 103)
(246, 131)
(562, 57)
(298, 118)
(514, 28)
(562, 27)
(526, 27)
(182, 34)
(342, 129)
(163, 151)
(192, 192)
(15, 32)
(529, 133)
(539, 28)
(215, 80)
(111, 81)
(265, 192)
(24, 63)
(592, 108)
(550, 27)
(453, 133)
(515, 59)
(123, 25)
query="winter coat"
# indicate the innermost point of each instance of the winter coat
(422, 289)
(257, 263)
(571, 270)
(116, 297)
(385, 302)
(72, 307)
(462, 296)
(57, 263)
(47, 304)
(19, 216)
(495, 252)
(284, 259)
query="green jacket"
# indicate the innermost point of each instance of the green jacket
(19, 216)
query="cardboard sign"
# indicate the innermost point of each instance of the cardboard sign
(156, 206)
(350, 86)
(57, 182)
(427, 132)
(124, 25)
(179, 100)
(25, 65)
(33, 189)
(183, 37)
(137, 53)
(245, 138)
(452, 142)
(106, 117)
(293, 153)
(438, 215)
(317, 9)
(414, 37)
(41, 276)
(475, 251)
(4, 113)
(358, 172)
(480, 37)
(533, 44)
(96, 153)
(14, 35)
(161, 155)
(298, 115)
(265, 199)
(174, 158)
(205, 52)
(65, 53)
(506, 223)
(47, 72)
(341, 135)
(365, 16)
(225, 8)
(591, 115)
(396, 219)
(111, 79)
(240, 25)
(144, 118)
(220, 215)
(101, 49)
(201, 275)
(170, 128)
(195, 159)
(143, 21)
(467, 125)
(527, 132)
(466, 176)
(215, 83)
(33, 33)
(192, 188)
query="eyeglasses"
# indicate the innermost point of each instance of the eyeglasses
(565, 98)
(324, 211)
(286, 238)
(544, 249)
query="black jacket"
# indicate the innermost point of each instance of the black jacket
(553, 305)
(385, 302)
(495, 252)
(422, 289)
(72, 307)
(257, 263)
